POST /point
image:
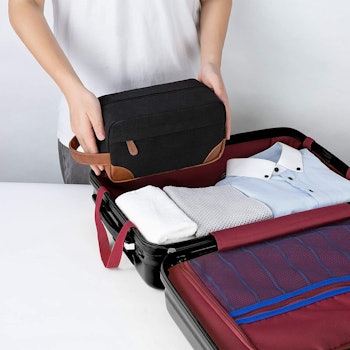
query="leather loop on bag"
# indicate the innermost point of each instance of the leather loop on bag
(110, 256)
(132, 147)
(87, 158)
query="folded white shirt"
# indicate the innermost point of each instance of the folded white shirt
(217, 207)
(156, 216)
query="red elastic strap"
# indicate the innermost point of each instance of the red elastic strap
(308, 142)
(110, 256)
(348, 174)
(263, 230)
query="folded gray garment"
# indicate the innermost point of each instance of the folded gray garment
(215, 208)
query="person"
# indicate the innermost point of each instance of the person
(101, 47)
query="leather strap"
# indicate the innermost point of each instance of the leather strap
(87, 158)
(110, 256)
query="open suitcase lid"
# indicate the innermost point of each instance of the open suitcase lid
(243, 236)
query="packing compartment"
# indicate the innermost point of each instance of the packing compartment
(279, 284)
(148, 257)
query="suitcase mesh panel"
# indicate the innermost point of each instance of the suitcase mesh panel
(279, 275)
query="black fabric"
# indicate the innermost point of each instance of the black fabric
(173, 125)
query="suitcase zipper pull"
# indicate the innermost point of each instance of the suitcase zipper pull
(132, 147)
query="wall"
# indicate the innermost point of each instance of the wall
(28, 143)
(286, 63)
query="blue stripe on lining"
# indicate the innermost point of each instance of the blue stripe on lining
(268, 302)
(334, 246)
(289, 262)
(297, 305)
(213, 283)
(260, 263)
(316, 256)
(239, 275)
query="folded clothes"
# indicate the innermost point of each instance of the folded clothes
(156, 216)
(217, 207)
(286, 179)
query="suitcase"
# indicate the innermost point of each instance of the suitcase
(148, 257)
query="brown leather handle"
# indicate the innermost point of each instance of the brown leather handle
(87, 158)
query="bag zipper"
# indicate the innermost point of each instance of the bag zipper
(107, 99)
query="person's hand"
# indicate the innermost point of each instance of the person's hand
(86, 121)
(210, 75)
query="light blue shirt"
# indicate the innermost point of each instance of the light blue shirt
(287, 180)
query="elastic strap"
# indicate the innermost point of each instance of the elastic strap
(272, 228)
(348, 174)
(110, 256)
(308, 142)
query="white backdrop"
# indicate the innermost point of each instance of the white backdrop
(286, 63)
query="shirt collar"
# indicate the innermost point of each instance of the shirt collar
(263, 165)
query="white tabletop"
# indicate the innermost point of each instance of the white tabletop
(55, 292)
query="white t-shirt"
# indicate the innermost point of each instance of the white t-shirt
(117, 45)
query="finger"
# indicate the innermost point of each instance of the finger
(228, 122)
(96, 170)
(87, 140)
(222, 95)
(97, 124)
(88, 143)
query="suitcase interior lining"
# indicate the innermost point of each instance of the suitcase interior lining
(190, 286)
(146, 256)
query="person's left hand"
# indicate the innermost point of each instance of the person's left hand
(210, 75)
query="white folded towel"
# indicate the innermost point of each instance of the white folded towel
(156, 216)
(217, 207)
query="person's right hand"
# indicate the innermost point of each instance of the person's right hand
(86, 121)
